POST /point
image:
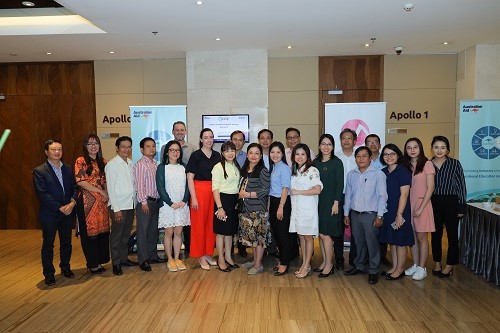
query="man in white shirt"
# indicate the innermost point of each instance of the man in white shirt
(293, 139)
(120, 185)
(348, 139)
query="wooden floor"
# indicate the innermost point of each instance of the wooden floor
(198, 301)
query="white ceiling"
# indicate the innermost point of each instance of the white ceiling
(313, 28)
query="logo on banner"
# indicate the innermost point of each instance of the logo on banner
(358, 126)
(486, 142)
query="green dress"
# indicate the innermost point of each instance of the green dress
(332, 176)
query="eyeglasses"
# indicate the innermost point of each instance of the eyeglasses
(172, 150)
(325, 144)
(292, 138)
(389, 154)
(93, 144)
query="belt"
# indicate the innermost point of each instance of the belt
(362, 213)
(153, 199)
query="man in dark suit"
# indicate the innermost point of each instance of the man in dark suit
(55, 187)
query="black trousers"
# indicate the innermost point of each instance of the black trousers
(286, 241)
(445, 215)
(49, 229)
(147, 231)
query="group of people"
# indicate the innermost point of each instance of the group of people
(270, 194)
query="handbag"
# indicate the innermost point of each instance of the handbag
(238, 207)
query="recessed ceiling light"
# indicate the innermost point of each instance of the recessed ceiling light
(49, 53)
(111, 52)
(445, 43)
(289, 47)
(367, 45)
(199, 2)
(217, 38)
(28, 4)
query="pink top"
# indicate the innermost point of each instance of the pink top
(425, 222)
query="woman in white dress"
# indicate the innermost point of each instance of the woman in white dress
(306, 186)
(172, 186)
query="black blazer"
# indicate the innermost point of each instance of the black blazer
(51, 194)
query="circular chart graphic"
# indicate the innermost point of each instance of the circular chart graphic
(486, 142)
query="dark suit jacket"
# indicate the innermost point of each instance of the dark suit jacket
(51, 194)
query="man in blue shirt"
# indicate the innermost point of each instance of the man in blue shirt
(238, 138)
(366, 202)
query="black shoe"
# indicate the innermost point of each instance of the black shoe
(278, 273)
(445, 275)
(392, 278)
(436, 273)
(386, 262)
(354, 271)
(318, 270)
(225, 270)
(339, 265)
(232, 266)
(117, 270)
(68, 273)
(373, 278)
(383, 273)
(322, 275)
(129, 263)
(50, 280)
(97, 270)
(145, 266)
(157, 261)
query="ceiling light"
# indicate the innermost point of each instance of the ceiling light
(445, 43)
(28, 4)
(289, 46)
(367, 45)
(199, 2)
(408, 7)
(111, 52)
(49, 53)
(217, 38)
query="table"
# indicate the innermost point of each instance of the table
(480, 241)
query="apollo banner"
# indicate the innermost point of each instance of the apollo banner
(363, 118)
(155, 122)
(480, 148)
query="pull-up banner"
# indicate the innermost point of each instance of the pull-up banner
(480, 148)
(155, 122)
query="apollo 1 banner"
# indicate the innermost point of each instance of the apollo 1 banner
(480, 148)
(156, 122)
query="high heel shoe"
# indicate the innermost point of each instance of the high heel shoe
(392, 278)
(445, 275)
(302, 275)
(210, 261)
(96, 270)
(278, 273)
(318, 270)
(323, 275)
(225, 270)
(204, 265)
(437, 273)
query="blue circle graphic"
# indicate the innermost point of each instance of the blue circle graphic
(486, 142)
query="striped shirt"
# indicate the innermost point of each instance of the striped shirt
(450, 180)
(258, 183)
(145, 179)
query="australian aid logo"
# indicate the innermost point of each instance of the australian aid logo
(472, 108)
(360, 127)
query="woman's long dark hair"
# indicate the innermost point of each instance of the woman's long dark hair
(228, 145)
(164, 159)
(283, 156)
(332, 140)
(256, 170)
(308, 164)
(98, 157)
(401, 159)
(421, 158)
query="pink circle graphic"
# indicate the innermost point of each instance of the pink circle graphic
(360, 127)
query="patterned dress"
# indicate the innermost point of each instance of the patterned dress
(95, 209)
(175, 185)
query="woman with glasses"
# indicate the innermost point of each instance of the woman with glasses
(171, 183)
(331, 231)
(396, 229)
(92, 212)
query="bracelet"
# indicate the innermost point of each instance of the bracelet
(398, 213)
(219, 207)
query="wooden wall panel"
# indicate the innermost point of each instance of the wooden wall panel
(43, 101)
(359, 77)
